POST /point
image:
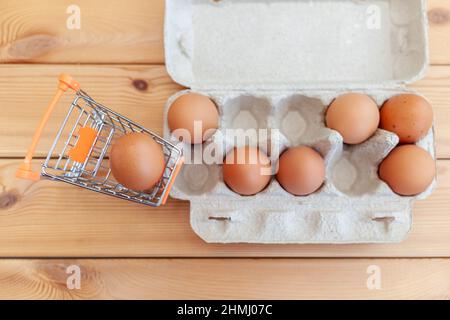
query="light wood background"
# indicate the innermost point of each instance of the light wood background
(153, 253)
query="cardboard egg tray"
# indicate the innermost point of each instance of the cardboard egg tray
(278, 65)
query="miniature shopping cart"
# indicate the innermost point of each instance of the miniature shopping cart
(79, 154)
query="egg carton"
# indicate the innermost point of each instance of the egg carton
(353, 205)
(274, 91)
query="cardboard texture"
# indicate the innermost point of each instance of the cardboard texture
(278, 65)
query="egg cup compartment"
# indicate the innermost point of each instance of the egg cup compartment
(243, 112)
(355, 172)
(301, 119)
(196, 179)
(307, 114)
(263, 142)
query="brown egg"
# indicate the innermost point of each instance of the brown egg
(407, 115)
(191, 108)
(301, 171)
(409, 170)
(246, 170)
(355, 116)
(137, 161)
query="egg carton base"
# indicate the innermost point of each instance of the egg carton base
(353, 206)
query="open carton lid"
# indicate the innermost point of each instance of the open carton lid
(289, 45)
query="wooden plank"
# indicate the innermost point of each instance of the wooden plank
(436, 87)
(52, 219)
(112, 31)
(123, 32)
(228, 279)
(439, 31)
(25, 90)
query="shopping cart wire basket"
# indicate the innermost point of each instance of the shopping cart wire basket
(80, 150)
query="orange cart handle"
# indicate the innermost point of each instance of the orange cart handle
(25, 171)
(174, 176)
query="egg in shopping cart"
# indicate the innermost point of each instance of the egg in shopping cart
(137, 161)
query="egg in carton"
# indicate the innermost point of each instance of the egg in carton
(210, 47)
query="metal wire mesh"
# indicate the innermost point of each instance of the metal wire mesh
(95, 174)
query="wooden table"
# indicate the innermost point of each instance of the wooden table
(131, 251)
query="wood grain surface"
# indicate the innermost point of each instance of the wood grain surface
(439, 31)
(112, 31)
(227, 279)
(118, 57)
